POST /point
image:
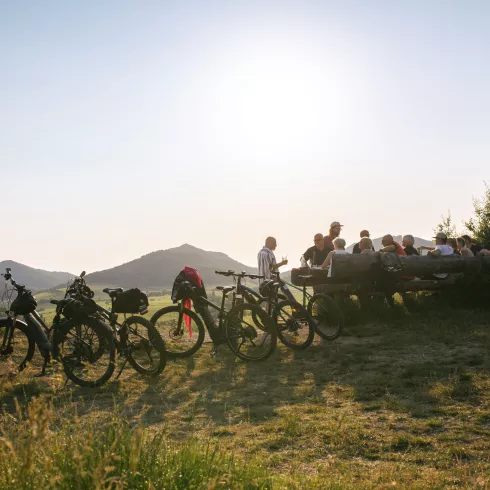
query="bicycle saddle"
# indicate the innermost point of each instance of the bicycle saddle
(225, 289)
(113, 292)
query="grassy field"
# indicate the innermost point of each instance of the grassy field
(401, 401)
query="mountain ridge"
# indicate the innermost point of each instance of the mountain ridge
(158, 269)
(33, 278)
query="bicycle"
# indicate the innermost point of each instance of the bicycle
(247, 329)
(135, 339)
(295, 327)
(328, 317)
(19, 339)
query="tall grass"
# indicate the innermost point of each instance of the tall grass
(41, 449)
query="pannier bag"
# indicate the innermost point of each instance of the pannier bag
(76, 309)
(24, 304)
(130, 301)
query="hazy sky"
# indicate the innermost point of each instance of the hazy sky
(133, 126)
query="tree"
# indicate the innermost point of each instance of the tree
(447, 226)
(479, 224)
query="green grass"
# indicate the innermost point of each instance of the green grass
(402, 401)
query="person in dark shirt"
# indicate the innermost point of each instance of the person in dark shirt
(317, 254)
(357, 246)
(408, 242)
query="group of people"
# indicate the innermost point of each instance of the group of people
(326, 246)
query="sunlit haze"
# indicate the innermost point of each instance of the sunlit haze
(128, 127)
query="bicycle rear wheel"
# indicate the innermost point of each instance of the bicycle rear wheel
(327, 316)
(295, 326)
(146, 349)
(86, 350)
(181, 340)
(17, 346)
(250, 332)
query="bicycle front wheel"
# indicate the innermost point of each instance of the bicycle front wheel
(182, 337)
(327, 316)
(295, 326)
(250, 332)
(17, 345)
(146, 349)
(86, 350)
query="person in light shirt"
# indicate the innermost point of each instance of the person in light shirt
(441, 249)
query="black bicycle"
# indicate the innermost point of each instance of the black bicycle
(295, 326)
(71, 339)
(246, 328)
(136, 339)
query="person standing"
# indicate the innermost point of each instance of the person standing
(267, 260)
(333, 233)
(357, 246)
(318, 253)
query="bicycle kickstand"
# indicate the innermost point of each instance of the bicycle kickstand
(122, 367)
(43, 370)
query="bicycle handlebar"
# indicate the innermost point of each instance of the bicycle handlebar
(239, 274)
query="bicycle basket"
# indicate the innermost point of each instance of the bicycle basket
(76, 309)
(130, 301)
(24, 304)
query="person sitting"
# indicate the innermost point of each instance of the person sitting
(317, 254)
(452, 242)
(366, 246)
(389, 245)
(408, 242)
(474, 247)
(464, 251)
(339, 249)
(334, 232)
(441, 249)
(357, 246)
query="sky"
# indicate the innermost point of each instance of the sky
(133, 126)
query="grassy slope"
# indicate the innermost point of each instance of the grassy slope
(404, 402)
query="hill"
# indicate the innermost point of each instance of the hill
(398, 238)
(158, 269)
(35, 278)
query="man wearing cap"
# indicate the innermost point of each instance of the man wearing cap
(357, 246)
(441, 248)
(334, 232)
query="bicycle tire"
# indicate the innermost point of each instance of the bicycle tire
(22, 360)
(237, 327)
(331, 313)
(149, 342)
(173, 336)
(80, 335)
(298, 320)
